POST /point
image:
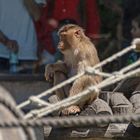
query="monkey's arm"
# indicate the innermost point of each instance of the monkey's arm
(50, 69)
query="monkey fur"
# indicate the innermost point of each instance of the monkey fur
(79, 53)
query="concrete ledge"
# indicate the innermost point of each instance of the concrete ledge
(22, 77)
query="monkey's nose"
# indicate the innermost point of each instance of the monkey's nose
(63, 34)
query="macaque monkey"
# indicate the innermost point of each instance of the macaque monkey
(79, 52)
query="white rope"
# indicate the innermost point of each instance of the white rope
(130, 67)
(91, 71)
(122, 71)
(74, 99)
(39, 102)
(137, 43)
(110, 59)
(115, 56)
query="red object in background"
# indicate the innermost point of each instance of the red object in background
(66, 9)
(93, 18)
(44, 30)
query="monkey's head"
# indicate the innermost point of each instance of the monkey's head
(70, 35)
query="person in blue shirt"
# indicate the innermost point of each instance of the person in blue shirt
(17, 31)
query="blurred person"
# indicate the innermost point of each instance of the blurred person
(135, 32)
(111, 16)
(131, 9)
(38, 11)
(11, 45)
(128, 10)
(17, 30)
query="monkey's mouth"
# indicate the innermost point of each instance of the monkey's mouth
(61, 48)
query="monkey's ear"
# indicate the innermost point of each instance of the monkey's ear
(77, 33)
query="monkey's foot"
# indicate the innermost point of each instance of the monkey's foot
(71, 110)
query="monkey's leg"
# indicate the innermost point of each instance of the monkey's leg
(62, 92)
(78, 86)
(55, 74)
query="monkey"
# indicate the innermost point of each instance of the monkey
(79, 52)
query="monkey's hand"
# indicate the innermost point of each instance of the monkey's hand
(72, 110)
(49, 72)
(50, 69)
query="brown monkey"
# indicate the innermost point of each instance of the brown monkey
(79, 52)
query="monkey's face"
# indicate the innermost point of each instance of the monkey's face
(69, 37)
(64, 43)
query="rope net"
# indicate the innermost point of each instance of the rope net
(109, 79)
